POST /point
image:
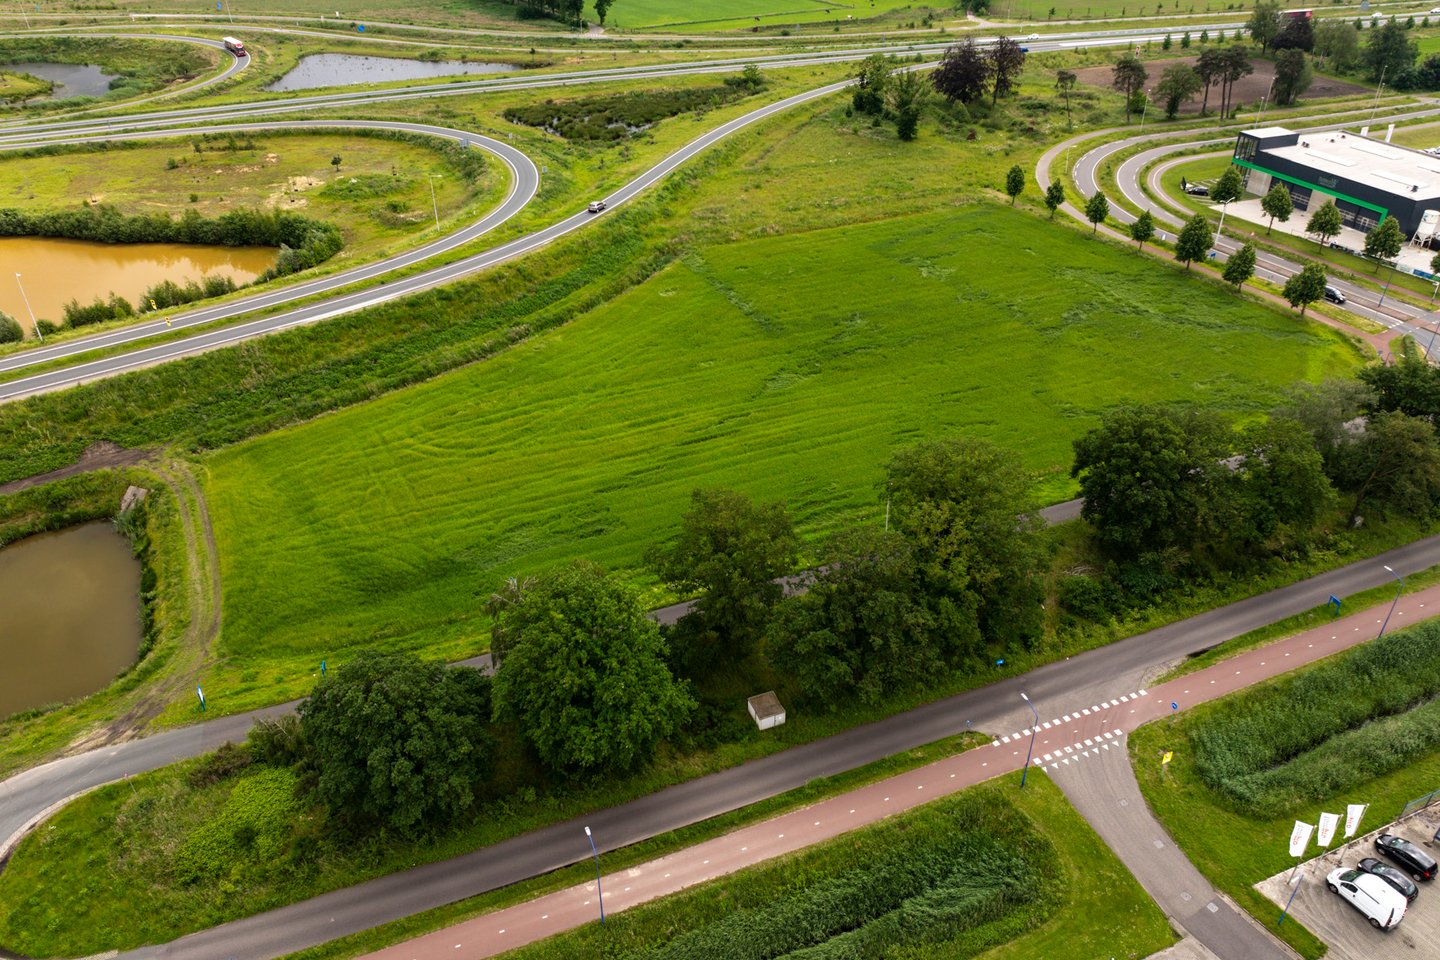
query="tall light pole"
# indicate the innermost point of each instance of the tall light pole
(596, 854)
(34, 324)
(433, 205)
(1143, 111)
(1033, 730)
(1398, 591)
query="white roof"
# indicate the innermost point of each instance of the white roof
(1267, 132)
(1387, 167)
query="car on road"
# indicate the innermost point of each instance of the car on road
(1396, 878)
(1407, 856)
(1333, 294)
(1032, 36)
(1198, 190)
(595, 206)
(1381, 904)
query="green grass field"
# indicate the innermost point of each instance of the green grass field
(710, 14)
(788, 367)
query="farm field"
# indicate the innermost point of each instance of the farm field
(708, 14)
(1360, 727)
(789, 367)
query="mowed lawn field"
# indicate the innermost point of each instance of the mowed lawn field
(639, 14)
(789, 367)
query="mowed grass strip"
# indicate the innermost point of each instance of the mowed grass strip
(790, 368)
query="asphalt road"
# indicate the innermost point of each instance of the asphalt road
(1098, 675)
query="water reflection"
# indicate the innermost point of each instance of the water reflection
(341, 69)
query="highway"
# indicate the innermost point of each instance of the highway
(135, 353)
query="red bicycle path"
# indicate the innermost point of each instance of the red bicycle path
(1086, 730)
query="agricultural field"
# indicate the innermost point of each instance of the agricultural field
(787, 367)
(1361, 727)
(733, 14)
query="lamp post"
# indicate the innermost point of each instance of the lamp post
(433, 205)
(1033, 730)
(1434, 327)
(1388, 277)
(1144, 110)
(598, 893)
(34, 324)
(1399, 591)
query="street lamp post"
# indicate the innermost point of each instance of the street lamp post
(1398, 591)
(598, 892)
(433, 205)
(34, 324)
(1388, 277)
(1144, 110)
(1033, 730)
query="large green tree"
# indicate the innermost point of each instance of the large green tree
(1065, 81)
(1142, 228)
(1054, 197)
(1235, 63)
(1337, 43)
(1178, 84)
(1389, 53)
(860, 627)
(1325, 222)
(1385, 241)
(585, 681)
(1293, 76)
(1331, 412)
(397, 740)
(1228, 187)
(1240, 267)
(1097, 208)
(962, 504)
(906, 97)
(1410, 385)
(1194, 240)
(1277, 204)
(1209, 67)
(1007, 62)
(1305, 287)
(731, 552)
(1393, 464)
(1265, 23)
(1129, 76)
(870, 84)
(1281, 488)
(1148, 475)
(1015, 182)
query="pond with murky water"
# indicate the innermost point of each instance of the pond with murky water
(70, 79)
(71, 615)
(52, 272)
(342, 69)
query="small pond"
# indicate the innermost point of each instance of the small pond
(52, 271)
(71, 619)
(70, 79)
(341, 69)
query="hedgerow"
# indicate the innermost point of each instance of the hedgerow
(1345, 721)
(617, 117)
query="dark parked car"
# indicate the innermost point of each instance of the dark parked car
(1407, 856)
(1197, 190)
(1333, 294)
(1390, 875)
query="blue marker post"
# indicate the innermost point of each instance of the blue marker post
(360, 28)
(201, 694)
(322, 668)
(1174, 705)
(1335, 603)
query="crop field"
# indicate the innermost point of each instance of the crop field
(789, 367)
(1360, 727)
(709, 14)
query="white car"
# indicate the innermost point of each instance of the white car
(1033, 36)
(1382, 904)
(595, 206)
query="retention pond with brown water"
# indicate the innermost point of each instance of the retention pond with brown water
(53, 272)
(71, 615)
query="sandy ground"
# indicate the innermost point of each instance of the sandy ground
(1248, 90)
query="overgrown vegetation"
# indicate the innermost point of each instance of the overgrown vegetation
(620, 116)
(141, 65)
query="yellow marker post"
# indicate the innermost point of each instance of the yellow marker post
(167, 321)
(1169, 755)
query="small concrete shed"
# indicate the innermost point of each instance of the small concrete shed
(765, 710)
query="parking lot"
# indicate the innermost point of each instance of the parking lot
(1344, 928)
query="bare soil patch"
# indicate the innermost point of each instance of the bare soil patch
(101, 455)
(1248, 90)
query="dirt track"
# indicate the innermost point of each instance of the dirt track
(1248, 90)
(98, 456)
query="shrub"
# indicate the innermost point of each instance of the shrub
(220, 765)
(253, 827)
(10, 331)
(617, 117)
(278, 741)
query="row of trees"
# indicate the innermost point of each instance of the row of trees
(881, 93)
(968, 73)
(1388, 54)
(566, 11)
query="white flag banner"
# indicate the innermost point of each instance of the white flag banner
(1353, 813)
(1326, 833)
(1300, 838)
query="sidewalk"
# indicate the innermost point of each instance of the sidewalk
(1083, 732)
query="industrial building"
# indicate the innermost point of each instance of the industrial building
(1368, 179)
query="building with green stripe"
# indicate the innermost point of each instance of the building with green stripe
(1368, 179)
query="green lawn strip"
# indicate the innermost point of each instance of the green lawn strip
(136, 827)
(1236, 850)
(1095, 905)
